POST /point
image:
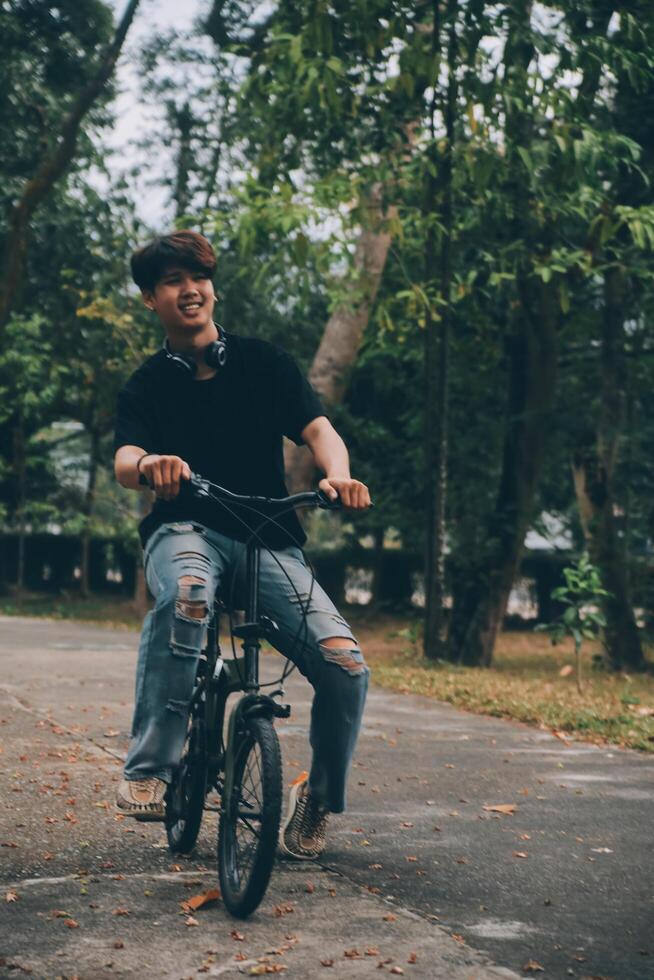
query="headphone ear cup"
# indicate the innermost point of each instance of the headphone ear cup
(216, 354)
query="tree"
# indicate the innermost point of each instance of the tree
(56, 158)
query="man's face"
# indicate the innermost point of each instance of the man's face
(183, 299)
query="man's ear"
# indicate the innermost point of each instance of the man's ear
(148, 298)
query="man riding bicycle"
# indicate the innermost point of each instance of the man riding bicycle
(219, 404)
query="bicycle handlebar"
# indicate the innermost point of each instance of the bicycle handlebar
(201, 487)
(205, 488)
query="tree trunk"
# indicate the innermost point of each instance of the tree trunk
(339, 346)
(437, 340)
(480, 612)
(594, 472)
(531, 344)
(20, 465)
(183, 121)
(50, 170)
(89, 501)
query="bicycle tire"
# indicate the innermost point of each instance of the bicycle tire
(246, 854)
(186, 793)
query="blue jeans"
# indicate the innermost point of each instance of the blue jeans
(185, 563)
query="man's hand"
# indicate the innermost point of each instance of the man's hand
(354, 494)
(164, 473)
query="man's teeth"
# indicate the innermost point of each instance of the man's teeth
(190, 306)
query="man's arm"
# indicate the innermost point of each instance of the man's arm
(163, 473)
(331, 456)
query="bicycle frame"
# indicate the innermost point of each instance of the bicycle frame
(235, 674)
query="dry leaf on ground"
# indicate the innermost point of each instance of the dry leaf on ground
(509, 808)
(197, 901)
(520, 854)
(531, 966)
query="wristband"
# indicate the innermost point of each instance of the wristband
(138, 461)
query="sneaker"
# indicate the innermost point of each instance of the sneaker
(302, 835)
(142, 798)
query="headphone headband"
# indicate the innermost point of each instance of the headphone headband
(214, 354)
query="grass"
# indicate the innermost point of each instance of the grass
(525, 682)
(116, 612)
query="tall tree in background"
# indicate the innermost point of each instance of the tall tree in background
(59, 141)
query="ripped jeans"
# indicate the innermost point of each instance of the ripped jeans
(184, 565)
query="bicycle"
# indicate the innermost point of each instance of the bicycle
(245, 767)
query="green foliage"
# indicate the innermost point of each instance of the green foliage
(581, 619)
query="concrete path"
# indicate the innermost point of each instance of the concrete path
(420, 878)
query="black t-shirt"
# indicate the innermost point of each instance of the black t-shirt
(228, 429)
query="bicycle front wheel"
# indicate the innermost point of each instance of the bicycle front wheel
(247, 840)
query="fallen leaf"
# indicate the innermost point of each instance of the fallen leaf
(371, 951)
(119, 944)
(602, 850)
(281, 910)
(520, 854)
(524, 837)
(461, 860)
(531, 966)
(352, 954)
(413, 958)
(120, 911)
(310, 888)
(406, 824)
(110, 733)
(563, 736)
(397, 970)
(197, 901)
(191, 921)
(566, 671)
(237, 936)
(389, 917)
(457, 938)
(300, 779)
(375, 867)
(71, 924)
(11, 897)
(410, 857)
(175, 867)
(508, 808)
(326, 962)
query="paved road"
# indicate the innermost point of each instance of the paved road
(417, 869)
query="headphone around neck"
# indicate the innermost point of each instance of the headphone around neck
(214, 354)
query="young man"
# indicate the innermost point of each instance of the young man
(218, 404)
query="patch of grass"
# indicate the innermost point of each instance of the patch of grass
(117, 612)
(524, 683)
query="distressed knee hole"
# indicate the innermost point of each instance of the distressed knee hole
(342, 652)
(191, 597)
(189, 625)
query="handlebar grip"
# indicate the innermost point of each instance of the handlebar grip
(326, 503)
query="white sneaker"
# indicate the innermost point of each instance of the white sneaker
(142, 798)
(302, 835)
